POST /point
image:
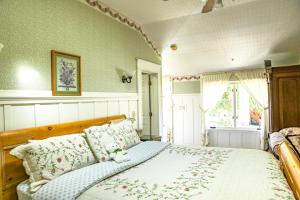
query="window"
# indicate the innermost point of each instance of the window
(235, 109)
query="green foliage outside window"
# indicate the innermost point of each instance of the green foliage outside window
(223, 113)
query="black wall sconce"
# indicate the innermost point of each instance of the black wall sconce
(127, 78)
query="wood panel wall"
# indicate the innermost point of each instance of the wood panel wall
(20, 114)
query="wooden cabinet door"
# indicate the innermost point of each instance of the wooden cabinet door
(289, 101)
(284, 94)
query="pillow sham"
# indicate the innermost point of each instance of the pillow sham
(124, 134)
(290, 131)
(98, 137)
(295, 142)
(275, 140)
(47, 159)
(293, 136)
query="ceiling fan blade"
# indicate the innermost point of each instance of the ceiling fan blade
(208, 6)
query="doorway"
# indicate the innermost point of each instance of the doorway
(150, 98)
(144, 69)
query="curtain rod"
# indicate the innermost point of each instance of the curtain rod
(214, 73)
(232, 71)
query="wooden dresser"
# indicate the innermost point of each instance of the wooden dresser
(284, 97)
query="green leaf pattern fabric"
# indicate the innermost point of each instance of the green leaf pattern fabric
(190, 173)
(97, 137)
(47, 159)
(124, 134)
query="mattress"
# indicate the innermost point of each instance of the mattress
(180, 172)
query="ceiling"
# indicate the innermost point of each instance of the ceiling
(242, 34)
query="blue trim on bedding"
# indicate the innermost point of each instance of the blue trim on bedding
(71, 185)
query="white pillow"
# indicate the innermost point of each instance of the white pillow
(98, 137)
(124, 134)
(47, 159)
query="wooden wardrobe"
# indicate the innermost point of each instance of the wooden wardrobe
(284, 97)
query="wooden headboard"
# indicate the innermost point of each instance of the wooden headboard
(290, 165)
(12, 171)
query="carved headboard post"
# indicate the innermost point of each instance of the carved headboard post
(268, 74)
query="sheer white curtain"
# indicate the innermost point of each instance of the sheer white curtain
(212, 88)
(254, 81)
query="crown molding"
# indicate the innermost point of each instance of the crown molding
(124, 20)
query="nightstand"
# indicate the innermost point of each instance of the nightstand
(147, 138)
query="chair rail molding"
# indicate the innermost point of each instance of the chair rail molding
(18, 96)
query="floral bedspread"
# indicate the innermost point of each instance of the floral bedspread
(72, 184)
(187, 173)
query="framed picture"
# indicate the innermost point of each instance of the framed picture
(66, 74)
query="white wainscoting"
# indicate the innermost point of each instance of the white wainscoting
(17, 112)
(236, 138)
(186, 119)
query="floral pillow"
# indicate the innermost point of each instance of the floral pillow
(98, 137)
(293, 136)
(124, 134)
(290, 131)
(47, 159)
(295, 142)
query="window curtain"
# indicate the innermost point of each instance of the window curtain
(255, 83)
(212, 88)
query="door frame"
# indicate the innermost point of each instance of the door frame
(148, 67)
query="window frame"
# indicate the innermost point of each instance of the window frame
(235, 117)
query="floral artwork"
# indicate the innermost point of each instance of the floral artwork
(67, 74)
(66, 80)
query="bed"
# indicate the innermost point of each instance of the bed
(157, 171)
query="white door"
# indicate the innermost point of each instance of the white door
(151, 92)
(146, 117)
(154, 104)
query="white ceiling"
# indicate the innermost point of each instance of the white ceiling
(247, 31)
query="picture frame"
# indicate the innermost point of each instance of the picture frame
(66, 74)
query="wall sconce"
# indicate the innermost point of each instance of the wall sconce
(1, 46)
(126, 77)
(174, 47)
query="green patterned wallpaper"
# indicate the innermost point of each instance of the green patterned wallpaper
(29, 29)
(186, 87)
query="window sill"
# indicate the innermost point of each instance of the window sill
(235, 129)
